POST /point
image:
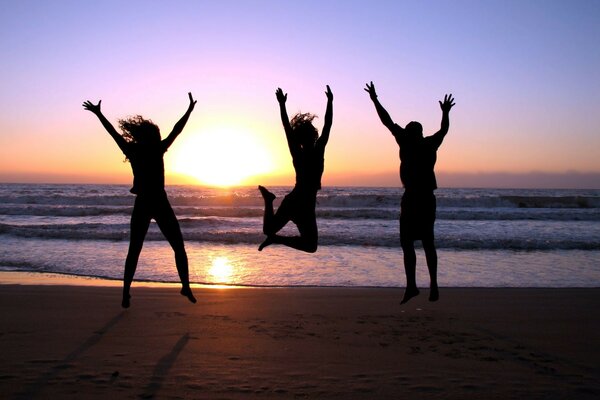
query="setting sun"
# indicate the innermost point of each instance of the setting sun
(221, 156)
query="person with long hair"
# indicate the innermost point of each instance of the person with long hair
(308, 157)
(418, 155)
(142, 145)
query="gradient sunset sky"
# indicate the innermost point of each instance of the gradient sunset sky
(525, 75)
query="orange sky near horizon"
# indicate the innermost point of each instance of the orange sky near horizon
(525, 76)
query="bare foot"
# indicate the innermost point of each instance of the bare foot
(409, 293)
(267, 196)
(125, 301)
(434, 293)
(268, 241)
(187, 292)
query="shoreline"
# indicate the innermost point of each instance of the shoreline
(26, 278)
(75, 341)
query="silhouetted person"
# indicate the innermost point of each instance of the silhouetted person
(308, 156)
(418, 155)
(142, 145)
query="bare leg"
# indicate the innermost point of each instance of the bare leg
(308, 245)
(410, 266)
(268, 197)
(139, 227)
(267, 242)
(169, 226)
(306, 221)
(272, 222)
(431, 256)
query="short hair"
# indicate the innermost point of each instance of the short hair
(414, 126)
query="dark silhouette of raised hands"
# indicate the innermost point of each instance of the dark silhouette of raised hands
(447, 104)
(192, 102)
(95, 108)
(281, 97)
(371, 90)
(329, 94)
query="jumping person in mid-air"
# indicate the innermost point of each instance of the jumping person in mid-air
(418, 155)
(308, 156)
(142, 145)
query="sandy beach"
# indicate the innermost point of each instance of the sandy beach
(75, 341)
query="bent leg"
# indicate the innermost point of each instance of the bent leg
(431, 256)
(274, 222)
(307, 243)
(140, 221)
(306, 221)
(296, 242)
(169, 226)
(309, 234)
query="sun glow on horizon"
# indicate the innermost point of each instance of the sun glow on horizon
(221, 157)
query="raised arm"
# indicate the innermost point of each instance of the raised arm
(324, 138)
(95, 108)
(178, 128)
(448, 103)
(384, 116)
(292, 143)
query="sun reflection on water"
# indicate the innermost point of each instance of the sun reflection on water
(221, 270)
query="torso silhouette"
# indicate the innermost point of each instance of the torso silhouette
(417, 161)
(148, 168)
(309, 166)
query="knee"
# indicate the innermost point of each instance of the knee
(407, 245)
(311, 246)
(428, 245)
(180, 251)
(311, 249)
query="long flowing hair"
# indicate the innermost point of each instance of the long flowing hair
(137, 129)
(303, 128)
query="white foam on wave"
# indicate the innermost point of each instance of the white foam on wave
(329, 266)
(466, 218)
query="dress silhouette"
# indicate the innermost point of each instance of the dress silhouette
(418, 155)
(142, 145)
(308, 156)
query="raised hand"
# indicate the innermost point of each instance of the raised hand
(95, 108)
(281, 97)
(371, 90)
(192, 101)
(447, 104)
(329, 94)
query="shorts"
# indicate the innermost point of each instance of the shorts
(417, 216)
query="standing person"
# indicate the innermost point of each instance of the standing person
(142, 145)
(418, 155)
(308, 156)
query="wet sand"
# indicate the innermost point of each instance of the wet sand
(75, 341)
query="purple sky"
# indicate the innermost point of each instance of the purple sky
(525, 74)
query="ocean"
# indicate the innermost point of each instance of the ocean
(485, 237)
